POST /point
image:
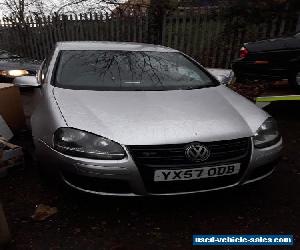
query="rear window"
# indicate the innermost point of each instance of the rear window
(128, 70)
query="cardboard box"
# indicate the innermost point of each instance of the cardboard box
(10, 156)
(11, 106)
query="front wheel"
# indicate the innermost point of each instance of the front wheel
(294, 79)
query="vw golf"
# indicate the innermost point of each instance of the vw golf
(137, 119)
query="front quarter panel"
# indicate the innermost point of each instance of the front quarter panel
(252, 115)
(47, 117)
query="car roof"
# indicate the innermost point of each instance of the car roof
(108, 45)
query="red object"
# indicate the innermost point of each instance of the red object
(243, 52)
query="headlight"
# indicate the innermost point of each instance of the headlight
(83, 144)
(14, 73)
(267, 134)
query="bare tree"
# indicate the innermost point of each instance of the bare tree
(18, 9)
(80, 6)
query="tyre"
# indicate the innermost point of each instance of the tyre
(294, 79)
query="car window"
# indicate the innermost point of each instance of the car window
(129, 70)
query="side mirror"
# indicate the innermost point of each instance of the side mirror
(26, 82)
(40, 75)
(225, 76)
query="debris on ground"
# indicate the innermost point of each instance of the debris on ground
(256, 89)
(250, 91)
(43, 212)
(10, 156)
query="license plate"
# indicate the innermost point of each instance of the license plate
(196, 173)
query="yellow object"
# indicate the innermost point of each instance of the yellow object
(278, 98)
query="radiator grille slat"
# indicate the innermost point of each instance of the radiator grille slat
(164, 154)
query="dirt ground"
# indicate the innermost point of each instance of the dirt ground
(91, 222)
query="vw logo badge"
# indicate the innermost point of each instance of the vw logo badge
(197, 152)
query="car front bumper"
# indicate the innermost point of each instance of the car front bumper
(123, 178)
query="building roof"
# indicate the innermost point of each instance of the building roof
(107, 45)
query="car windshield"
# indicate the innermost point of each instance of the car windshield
(128, 70)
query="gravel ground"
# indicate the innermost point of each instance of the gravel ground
(91, 222)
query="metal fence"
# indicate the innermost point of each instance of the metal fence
(206, 34)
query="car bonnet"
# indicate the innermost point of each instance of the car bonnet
(161, 117)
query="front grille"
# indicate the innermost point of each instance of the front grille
(172, 156)
(175, 154)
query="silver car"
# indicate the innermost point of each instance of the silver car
(135, 119)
